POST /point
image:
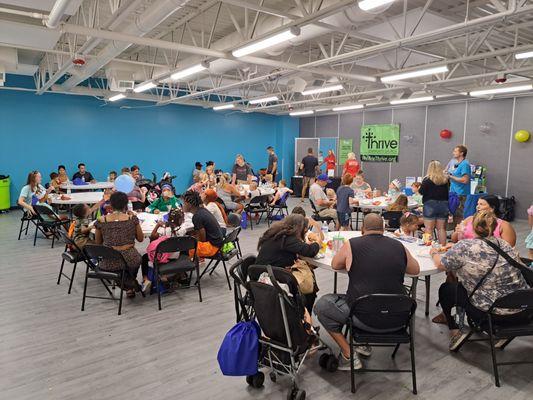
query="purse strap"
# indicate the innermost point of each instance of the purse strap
(527, 274)
(480, 282)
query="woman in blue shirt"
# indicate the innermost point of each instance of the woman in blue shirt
(33, 193)
(460, 180)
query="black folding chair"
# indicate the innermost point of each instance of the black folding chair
(390, 312)
(26, 219)
(498, 329)
(221, 257)
(48, 221)
(280, 210)
(95, 254)
(73, 255)
(392, 219)
(257, 205)
(183, 264)
(317, 217)
(243, 302)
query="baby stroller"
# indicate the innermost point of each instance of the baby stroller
(278, 307)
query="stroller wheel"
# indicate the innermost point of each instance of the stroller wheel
(296, 394)
(323, 360)
(273, 377)
(332, 364)
(256, 380)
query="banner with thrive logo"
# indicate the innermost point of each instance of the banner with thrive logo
(380, 143)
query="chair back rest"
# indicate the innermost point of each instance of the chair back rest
(176, 244)
(45, 211)
(259, 200)
(518, 300)
(71, 244)
(384, 311)
(232, 236)
(100, 252)
(283, 199)
(392, 218)
(239, 270)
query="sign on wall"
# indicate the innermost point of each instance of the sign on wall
(380, 143)
(345, 147)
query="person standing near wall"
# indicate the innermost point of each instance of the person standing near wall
(330, 162)
(272, 163)
(459, 175)
(351, 166)
(309, 167)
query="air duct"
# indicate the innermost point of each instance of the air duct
(58, 10)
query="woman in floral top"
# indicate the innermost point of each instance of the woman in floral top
(471, 260)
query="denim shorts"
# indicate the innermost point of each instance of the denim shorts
(436, 209)
(344, 218)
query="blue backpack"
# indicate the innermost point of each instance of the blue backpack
(453, 202)
(239, 352)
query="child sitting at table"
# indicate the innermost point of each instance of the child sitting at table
(200, 183)
(254, 190)
(400, 204)
(80, 230)
(360, 187)
(165, 202)
(112, 176)
(408, 225)
(330, 193)
(416, 196)
(268, 181)
(280, 192)
(395, 188)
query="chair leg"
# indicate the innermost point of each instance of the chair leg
(35, 236)
(493, 355)
(60, 271)
(157, 284)
(198, 282)
(214, 266)
(53, 237)
(227, 275)
(428, 287)
(121, 292)
(413, 363)
(84, 289)
(21, 227)
(72, 277)
(395, 350)
(27, 227)
(352, 371)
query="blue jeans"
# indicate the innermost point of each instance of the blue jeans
(436, 210)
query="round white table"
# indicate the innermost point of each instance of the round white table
(419, 252)
(77, 198)
(382, 202)
(90, 186)
(263, 190)
(149, 220)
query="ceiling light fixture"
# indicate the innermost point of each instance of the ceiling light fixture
(345, 108)
(521, 56)
(189, 71)
(144, 86)
(298, 113)
(116, 97)
(415, 74)
(264, 100)
(224, 107)
(498, 90)
(322, 90)
(367, 5)
(412, 100)
(267, 42)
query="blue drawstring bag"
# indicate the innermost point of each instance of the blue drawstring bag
(244, 221)
(453, 202)
(239, 352)
(79, 182)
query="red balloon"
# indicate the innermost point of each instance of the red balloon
(445, 134)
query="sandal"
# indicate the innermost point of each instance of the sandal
(439, 319)
(130, 294)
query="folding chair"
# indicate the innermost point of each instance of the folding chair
(317, 217)
(94, 255)
(221, 257)
(257, 205)
(243, 302)
(392, 219)
(280, 210)
(184, 263)
(498, 330)
(26, 218)
(73, 255)
(391, 312)
(47, 220)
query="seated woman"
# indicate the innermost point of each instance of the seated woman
(227, 192)
(400, 204)
(201, 182)
(474, 261)
(280, 192)
(119, 230)
(503, 229)
(284, 242)
(165, 202)
(62, 174)
(33, 193)
(215, 208)
(138, 197)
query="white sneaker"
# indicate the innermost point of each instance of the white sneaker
(364, 350)
(344, 363)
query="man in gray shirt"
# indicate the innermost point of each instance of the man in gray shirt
(272, 163)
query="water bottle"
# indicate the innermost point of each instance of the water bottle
(130, 206)
(325, 229)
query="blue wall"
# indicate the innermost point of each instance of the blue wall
(40, 132)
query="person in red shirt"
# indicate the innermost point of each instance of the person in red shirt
(351, 166)
(330, 161)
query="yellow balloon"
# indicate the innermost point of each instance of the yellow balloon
(522, 136)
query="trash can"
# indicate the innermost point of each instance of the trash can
(5, 201)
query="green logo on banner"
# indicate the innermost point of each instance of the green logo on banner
(380, 143)
(345, 147)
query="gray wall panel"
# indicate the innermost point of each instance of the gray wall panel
(412, 122)
(521, 166)
(327, 126)
(490, 149)
(377, 173)
(307, 127)
(445, 116)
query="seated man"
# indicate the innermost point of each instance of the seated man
(206, 228)
(375, 264)
(323, 205)
(83, 174)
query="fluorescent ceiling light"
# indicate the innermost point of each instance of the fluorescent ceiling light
(116, 97)
(412, 100)
(345, 108)
(497, 90)
(414, 74)
(189, 71)
(264, 100)
(521, 56)
(297, 113)
(267, 42)
(322, 90)
(367, 5)
(224, 107)
(144, 86)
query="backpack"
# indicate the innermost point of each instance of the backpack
(239, 352)
(150, 250)
(507, 208)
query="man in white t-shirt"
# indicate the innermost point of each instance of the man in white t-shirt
(321, 201)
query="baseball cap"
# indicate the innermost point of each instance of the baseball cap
(323, 177)
(198, 164)
(208, 163)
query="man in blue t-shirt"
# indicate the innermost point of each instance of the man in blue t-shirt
(460, 174)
